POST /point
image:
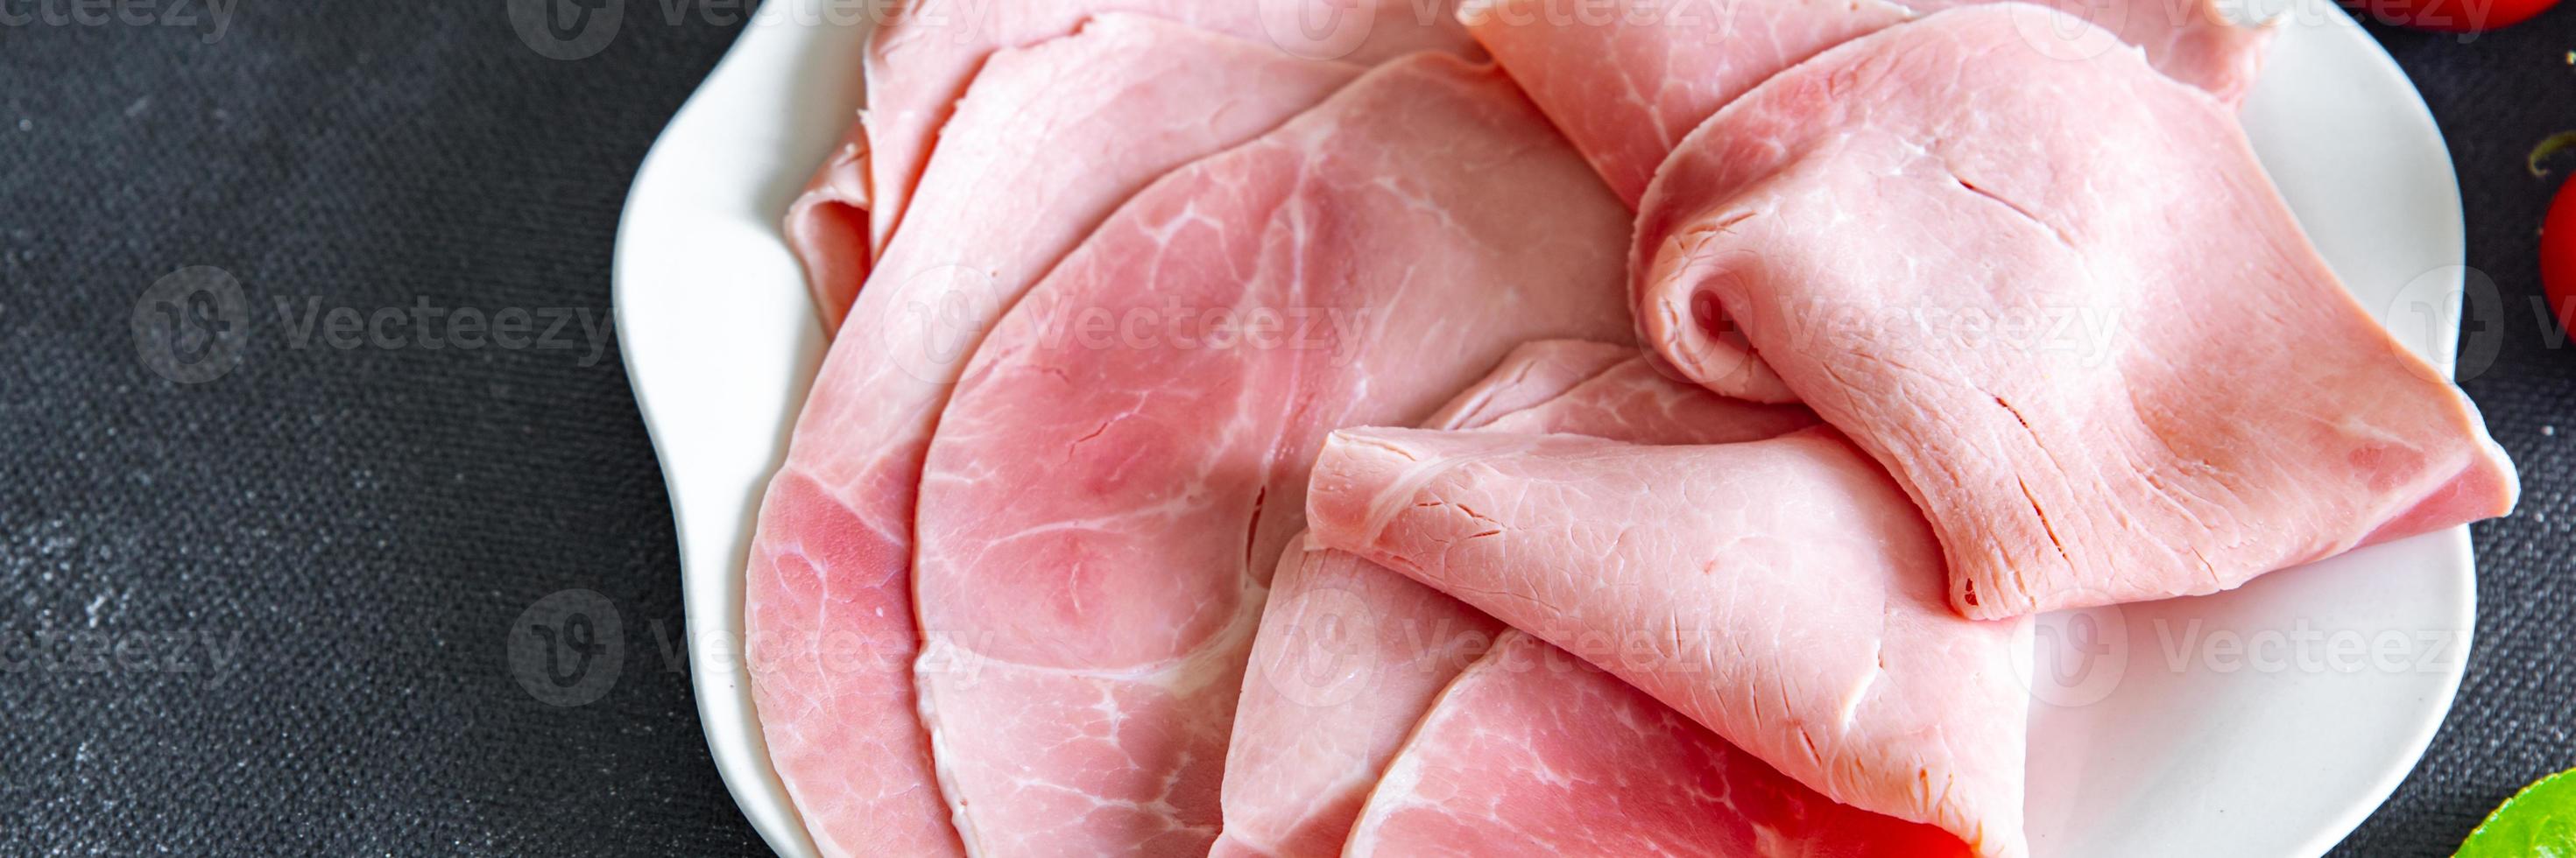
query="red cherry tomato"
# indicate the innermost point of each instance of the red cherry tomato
(2453, 16)
(2558, 255)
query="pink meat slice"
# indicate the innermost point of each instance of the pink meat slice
(1528, 377)
(1631, 401)
(1626, 81)
(925, 52)
(1109, 489)
(2075, 320)
(1349, 655)
(1533, 752)
(1347, 658)
(827, 227)
(2204, 43)
(1056, 128)
(1782, 593)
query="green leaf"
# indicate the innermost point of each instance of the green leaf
(2539, 822)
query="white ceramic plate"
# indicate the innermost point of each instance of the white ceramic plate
(2263, 722)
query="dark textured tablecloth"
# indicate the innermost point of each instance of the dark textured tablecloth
(271, 612)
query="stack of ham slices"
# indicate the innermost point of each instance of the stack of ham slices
(1375, 427)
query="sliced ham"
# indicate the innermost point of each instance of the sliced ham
(1627, 80)
(2074, 319)
(1631, 401)
(1527, 378)
(1116, 474)
(1349, 655)
(925, 52)
(2208, 44)
(1533, 752)
(827, 227)
(829, 591)
(1782, 593)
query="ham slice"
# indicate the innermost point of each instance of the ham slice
(1349, 655)
(2076, 322)
(1533, 752)
(1530, 376)
(1627, 80)
(1110, 485)
(1783, 593)
(2205, 43)
(827, 227)
(925, 52)
(829, 590)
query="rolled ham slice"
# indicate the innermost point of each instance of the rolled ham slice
(2057, 297)
(1782, 593)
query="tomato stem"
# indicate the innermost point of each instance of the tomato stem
(2559, 142)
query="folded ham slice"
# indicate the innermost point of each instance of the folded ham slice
(1533, 752)
(1783, 593)
(829, 591)
(2074, 320)
(1110, 487)
(827, 227)
(925, 52)
(1349, 655)
(1627, 80)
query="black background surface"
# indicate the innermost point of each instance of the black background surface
(362, 527)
